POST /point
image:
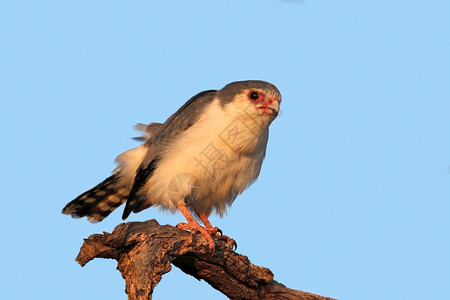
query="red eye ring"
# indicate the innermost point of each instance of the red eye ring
(255, 96)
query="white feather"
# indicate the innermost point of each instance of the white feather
(128, 162)
(216, 158)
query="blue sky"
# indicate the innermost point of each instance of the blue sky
(353, 200)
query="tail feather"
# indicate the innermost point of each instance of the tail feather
(98, 202)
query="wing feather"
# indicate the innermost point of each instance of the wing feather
(176, 124)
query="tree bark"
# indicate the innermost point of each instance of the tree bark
(145, 251)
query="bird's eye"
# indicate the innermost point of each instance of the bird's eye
(254, 96)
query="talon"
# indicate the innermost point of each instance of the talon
(234, 245)
(230, 242)
(215, 231)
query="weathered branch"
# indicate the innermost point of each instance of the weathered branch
(145, 251)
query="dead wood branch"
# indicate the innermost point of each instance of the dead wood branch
(145, 251)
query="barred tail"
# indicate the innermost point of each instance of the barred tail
(98, 202)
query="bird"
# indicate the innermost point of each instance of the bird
(197, 162)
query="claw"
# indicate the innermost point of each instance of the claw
(216, 232)
(234, 245)
(213, 231)
(219, 231)
(230, 242)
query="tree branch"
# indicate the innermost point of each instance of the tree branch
(145, 251)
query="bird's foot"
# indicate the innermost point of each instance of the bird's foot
(193, 228)
(216, 232)
(230, 242)
(213, 230)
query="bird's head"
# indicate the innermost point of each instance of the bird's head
(255, 98)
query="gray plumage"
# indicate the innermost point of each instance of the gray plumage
(205, 154)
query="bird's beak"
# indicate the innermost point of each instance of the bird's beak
(271, 106)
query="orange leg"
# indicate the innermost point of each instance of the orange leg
(214, 231)
(192, 225)
(209, 228)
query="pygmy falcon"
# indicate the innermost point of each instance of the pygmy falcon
(198, 161)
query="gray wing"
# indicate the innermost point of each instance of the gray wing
(185, 116)
(177, 123)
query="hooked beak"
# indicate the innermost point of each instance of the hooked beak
(271, 107)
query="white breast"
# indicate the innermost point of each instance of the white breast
(211, 162)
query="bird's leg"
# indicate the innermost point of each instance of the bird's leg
(192, 225)
(209, 228)
(216, 231)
